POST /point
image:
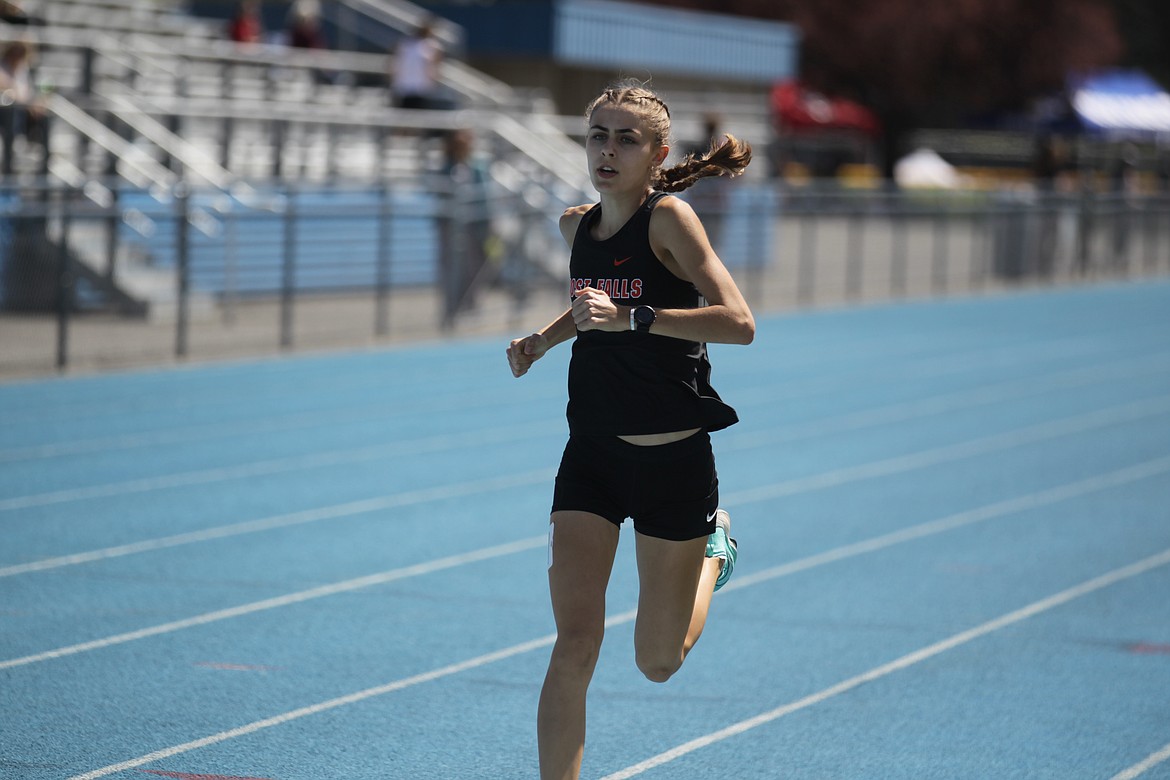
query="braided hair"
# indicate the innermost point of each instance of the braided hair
(728, 156)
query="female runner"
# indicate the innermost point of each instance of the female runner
(648, 293)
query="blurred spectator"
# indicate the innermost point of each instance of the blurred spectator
(1123, 174)
(304, 32)
(1123, 182)
(414, 70)
(21, 113)
(1045, 164)
(304, 26)
(16, 74)
(1045, 170)
(464, 225)
(12, 12)
(246, 26)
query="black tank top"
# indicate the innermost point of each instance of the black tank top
(632, 383)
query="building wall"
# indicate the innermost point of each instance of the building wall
(609, 33)
(572, 48)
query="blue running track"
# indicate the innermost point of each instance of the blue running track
(954, 524)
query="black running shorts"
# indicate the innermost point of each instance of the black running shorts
(670, 490)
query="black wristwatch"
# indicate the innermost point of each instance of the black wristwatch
(641, 318)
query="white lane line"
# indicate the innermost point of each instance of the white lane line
(820, 481)
(931, 367)
(1140, 768)
(998, 509)
(1009, 506)
(341, 701)
(906, 661)
(164, 399)
(283, 465)
(301, 420)
(495, 436)
(626, 617)
(183, 398)
(1002, 508)
(983, 445)
(188, 434)
(289, 599)
(348, 509)
(969, 398)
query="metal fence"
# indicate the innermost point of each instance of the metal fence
(120, 276)
(842, 245)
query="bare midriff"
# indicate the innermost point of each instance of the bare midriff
(654, 439)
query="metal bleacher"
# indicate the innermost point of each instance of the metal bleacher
(126, 56)
(146, 101)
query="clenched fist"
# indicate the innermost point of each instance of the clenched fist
(523, 352)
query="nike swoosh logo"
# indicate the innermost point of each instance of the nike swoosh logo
(617, 262)
(711, 517)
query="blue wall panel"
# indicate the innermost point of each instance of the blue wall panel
(628, 37)
(624, 35)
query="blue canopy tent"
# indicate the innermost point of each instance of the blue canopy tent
(1121, 103)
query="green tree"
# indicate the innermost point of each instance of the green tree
(936, 64)
(919, 64)
(1145, 27)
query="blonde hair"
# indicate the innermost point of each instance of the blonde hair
(728, 156)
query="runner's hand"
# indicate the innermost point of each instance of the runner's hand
(522, 353)
(595, 310)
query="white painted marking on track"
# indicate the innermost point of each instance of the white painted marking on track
(346, 586)
(280, 465)
(982, 446)
(916, 409)
(1140, 768)
(943, 403)
(325, 706)
(790, 487)
(187, 434)
(887, 467)
(1103, 481)
(959, 519)
(349, 509)
(931, 366)
(906, 661)
(1053, 495)
(172, 399)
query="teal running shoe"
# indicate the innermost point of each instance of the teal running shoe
(721, 545)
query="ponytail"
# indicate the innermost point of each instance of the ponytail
(727, 157)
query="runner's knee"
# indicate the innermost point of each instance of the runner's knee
(576, 652)
(656, 665)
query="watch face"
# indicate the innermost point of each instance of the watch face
(644, 315)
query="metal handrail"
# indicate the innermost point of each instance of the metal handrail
(405, 17)
(463, 80)
(190, 156)
(77, 179)
(139, 169)
(536, 137)
(292, 111)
